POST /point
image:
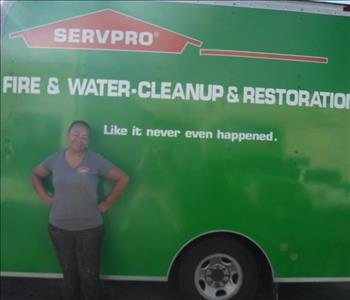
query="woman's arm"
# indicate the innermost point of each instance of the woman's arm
(37, 175)
(121, 180)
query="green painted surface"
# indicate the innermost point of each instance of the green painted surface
(291, 196)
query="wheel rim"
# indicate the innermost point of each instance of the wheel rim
(218, 276)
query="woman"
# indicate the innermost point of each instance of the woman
(75, 222)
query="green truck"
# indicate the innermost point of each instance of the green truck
(230, 117)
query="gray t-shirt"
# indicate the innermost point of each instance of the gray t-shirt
(75, 204)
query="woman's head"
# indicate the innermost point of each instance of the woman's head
(78, 135)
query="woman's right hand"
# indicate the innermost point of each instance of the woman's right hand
(48, 200)
(37, 175)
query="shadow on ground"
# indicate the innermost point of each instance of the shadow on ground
(49, 289)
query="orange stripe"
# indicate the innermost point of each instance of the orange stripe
(264, 55)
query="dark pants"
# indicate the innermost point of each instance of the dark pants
(79, 254)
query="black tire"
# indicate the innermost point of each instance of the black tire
(243, 274)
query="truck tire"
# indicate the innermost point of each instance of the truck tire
(218, 269)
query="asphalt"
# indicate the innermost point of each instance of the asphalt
(49, 289)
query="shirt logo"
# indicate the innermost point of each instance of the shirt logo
(83, 170)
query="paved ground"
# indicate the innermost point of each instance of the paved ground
(48, 289)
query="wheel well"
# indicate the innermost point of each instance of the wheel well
(265, 268)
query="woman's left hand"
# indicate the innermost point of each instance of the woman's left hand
(103, 207)
(121, 180)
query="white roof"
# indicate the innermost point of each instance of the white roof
(315, 7)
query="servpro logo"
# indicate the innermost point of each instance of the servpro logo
(106, 30)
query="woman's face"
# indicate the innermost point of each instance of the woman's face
(78, 138)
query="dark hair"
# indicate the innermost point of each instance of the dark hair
(79, 122)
